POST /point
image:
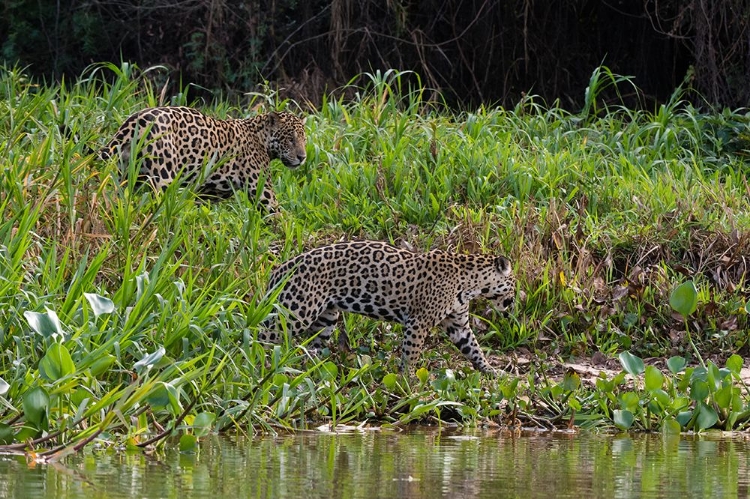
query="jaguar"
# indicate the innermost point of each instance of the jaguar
(223, 155)
(418, 290)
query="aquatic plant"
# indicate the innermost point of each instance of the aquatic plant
(127, 316)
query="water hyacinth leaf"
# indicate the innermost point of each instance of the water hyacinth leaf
(389, 380)
(45, 323)
(684, 418)
(684, 298)
(4, 386)
(56, 363)
(632, 364)
(670, 427)
(203, 423)
(676, 364)
(158, 398)
(571, 381)
(630, 401)
(188, 443)
(35, 406)
(728, 398)
(149, 360)
(662, 397)
(99, 304)
(734, 363)
(707, 417)
(699, 390)
(423, 374)
(747, 307)
(623, 419)
(6, 434)
(654, 379)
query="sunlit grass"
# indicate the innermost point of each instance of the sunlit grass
(156, 298)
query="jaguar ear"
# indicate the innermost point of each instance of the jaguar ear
(503, 265)
(273, 118)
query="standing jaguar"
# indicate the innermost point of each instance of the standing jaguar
(234, 153)
(418, 290)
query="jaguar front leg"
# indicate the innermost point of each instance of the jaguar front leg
(457, 328)
(414, 338)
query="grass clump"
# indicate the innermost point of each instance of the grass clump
(127, 315)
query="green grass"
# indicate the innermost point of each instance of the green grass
(126, 315)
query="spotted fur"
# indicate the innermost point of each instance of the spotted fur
(181, 140)
(418, 290)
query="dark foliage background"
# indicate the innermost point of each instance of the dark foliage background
(472, 51)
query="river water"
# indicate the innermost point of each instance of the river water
(419, 463)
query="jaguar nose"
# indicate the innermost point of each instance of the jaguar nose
(301, 158)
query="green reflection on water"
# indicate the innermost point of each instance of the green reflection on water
(422, 463)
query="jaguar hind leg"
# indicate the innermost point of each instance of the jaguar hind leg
(324, 325)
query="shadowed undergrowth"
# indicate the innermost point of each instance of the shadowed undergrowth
(127, 315)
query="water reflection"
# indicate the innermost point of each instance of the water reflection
(422, 463)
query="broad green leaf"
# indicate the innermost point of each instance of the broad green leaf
(723, 397)
(623, 419)
(630, 401)
(654, 379)
(714, 377)
(102, 365)
(684, 298)
(280, 379)
(4, 386)
(149, 360)
(389, 380)
(734, 363)
(203, 423)
(47, 324)
(684, 418)
(747, 307)
(699, 390)
(99, 304)
(707, 417)
(676, 364)
(329, 371)
(158, 397)
(35, 406)
(632, 364)
(670, 427)
(604, 385)
(571, 381)
(188, 443)
(679, 403)
(6, 434)
(423, 374)
(662, 397)
(56, 363)
(28, 432)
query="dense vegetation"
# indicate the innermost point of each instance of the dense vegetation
(469, 51)
(127, 315)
